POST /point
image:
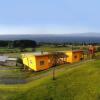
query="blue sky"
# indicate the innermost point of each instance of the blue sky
(49, 16)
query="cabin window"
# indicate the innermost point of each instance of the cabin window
(81, 58)
(41, 62)
(75, 57)
(31, 61)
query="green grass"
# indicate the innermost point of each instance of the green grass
(14, 73)
(15, 52)
(53, 48)
(81, 82)
(49, 49)
(62, 48)
(7, 50)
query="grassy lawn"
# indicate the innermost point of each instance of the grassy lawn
(15, 52)
(48, 49)
(55, 48)
(81, 82)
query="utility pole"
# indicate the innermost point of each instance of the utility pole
(54, 73)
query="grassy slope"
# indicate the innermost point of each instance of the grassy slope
(77, 83)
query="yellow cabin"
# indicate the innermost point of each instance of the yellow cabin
(74, 56)
(37, 61)
(44, 60)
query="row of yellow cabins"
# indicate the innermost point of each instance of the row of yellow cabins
(43, 60)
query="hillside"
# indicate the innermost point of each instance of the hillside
(79, 37)
(80, 82)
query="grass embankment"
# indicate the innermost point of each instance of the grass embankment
(75, 83)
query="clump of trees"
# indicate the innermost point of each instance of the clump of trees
(21, 44)
(65, 44)
(17, 43)
(4, 43)
(98, 49)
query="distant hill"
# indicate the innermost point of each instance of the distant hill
(83, 37)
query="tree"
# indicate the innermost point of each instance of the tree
(98, 49)
(3, 43)
(57, 58)
(22, 44)
(10, 44)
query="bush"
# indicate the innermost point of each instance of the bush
(19, 62)
(98, 49)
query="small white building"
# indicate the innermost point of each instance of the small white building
(7, 61)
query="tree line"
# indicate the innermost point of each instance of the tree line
(18, 43)
(65, 44)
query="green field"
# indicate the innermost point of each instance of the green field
(79, 81)
(73, 82)
(15, 52)
(38, 48)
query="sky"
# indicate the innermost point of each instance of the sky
(49, 16)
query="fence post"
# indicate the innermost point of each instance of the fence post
(54, 73)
